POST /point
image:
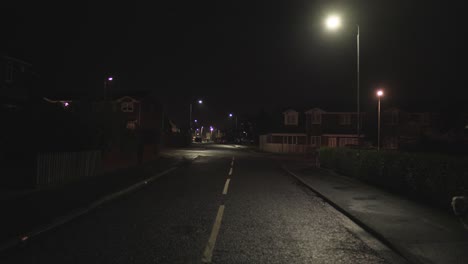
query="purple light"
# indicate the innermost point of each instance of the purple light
(230, 115)
(66, 104)
(110, 79)
(196, 121)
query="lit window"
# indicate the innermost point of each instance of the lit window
(131, 125)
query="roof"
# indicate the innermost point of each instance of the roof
(290, 111)
(314, 110)
(127, 97)
(16, 60)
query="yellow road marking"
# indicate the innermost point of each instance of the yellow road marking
(226, 186)
(208, 253)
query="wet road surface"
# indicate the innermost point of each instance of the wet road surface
(228, 206)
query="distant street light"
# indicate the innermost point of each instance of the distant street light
(190, 117)
(231, 115)
(333, 22)
(106, 81)
(380, 93)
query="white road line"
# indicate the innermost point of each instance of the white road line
(226, 186)
(230, 171)
(208, 253)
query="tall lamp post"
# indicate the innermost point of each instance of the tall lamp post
(106, 84)
(379, 95)
(235, 116)
(333, 22)
(190, 117)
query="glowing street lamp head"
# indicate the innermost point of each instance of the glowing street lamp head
(379, 93)
(230, 115)
(333, 22)
(200, 101)
(110, 78)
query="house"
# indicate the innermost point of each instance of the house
(402, 128)
(312, 128)
(16, 77)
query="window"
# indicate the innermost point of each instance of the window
(316, 118)
(127, 107)
(345, 119)
(131, 125)
(9, 72)
(315, 141)
(290, 118)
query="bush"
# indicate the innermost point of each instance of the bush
(434, 177)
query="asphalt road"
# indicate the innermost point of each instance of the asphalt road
(192, 215)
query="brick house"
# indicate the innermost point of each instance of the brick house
(400, 128)
(313, 128)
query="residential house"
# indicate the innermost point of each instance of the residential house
(401, 128)
(302, 131)
(16, 79)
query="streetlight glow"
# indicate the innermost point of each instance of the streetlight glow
(110, 78)
(379, 93)
(333, 22)
(200, 101)
(230, 115)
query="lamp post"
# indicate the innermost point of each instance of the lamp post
(106, 81)
(235, 116)
(379, 95)
(333, 22)
(190, 117)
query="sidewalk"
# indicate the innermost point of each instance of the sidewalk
(421, 234)
(23, 214)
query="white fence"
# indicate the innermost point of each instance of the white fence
(55, 168)
(280, 147)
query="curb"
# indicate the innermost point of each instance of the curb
(11, 243)
(400, 251)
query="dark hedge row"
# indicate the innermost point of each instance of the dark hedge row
(434, 178)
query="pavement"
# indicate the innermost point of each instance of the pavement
(420, 233)
(29, 212)
(230, 205)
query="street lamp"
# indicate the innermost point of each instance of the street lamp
(231, 115)
(106, 81)
(380, 93)
(333, 22)
(190, 117)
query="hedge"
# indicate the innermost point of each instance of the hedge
(435, 178)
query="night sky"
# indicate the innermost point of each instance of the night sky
(244, 56)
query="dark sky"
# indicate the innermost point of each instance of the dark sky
(244, 55)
